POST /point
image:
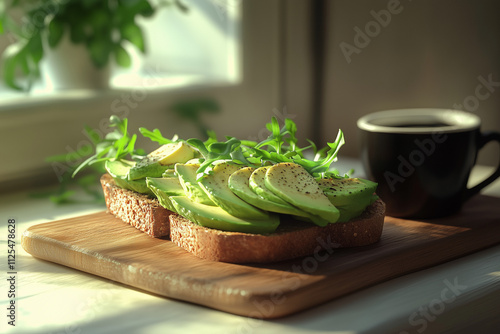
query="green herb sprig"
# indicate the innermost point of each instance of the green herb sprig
(280, 146)
(156, 136)
(217, 152)
(117, 144)
(278, 152)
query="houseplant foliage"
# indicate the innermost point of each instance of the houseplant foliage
(103, 26)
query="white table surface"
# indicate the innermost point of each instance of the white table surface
(55, 299)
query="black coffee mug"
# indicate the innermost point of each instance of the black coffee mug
(422, 159)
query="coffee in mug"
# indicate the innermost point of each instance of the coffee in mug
(422, 159)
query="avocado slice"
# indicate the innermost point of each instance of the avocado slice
(163, 188)
(118, 169)
(258, 185)
(217, 218)
(216, 187)
(187, 174)
(160, 160)
(171, 153)
(147, 167)
(169, 173)
(292, 183)
(239, 183)
(350, 195)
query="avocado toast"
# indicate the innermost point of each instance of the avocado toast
(243, 202)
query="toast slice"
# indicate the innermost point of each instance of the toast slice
(141, 211)
(292, 239)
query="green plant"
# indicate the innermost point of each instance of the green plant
(118, 143)
(103, 26)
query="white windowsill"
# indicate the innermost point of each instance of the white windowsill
(41, 96)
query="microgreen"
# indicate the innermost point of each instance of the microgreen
(276, 150)
(280, 146)
(117, 144)
(321, 167)
(215, 152)
(156, 136)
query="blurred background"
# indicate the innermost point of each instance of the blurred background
(230, 65)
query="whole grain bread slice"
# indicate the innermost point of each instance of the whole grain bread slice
(292, 239)
(141, 211)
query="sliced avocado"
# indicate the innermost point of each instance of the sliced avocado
(215, 217)
(157, 162)
(187, 176)
(169, 173)
(172, 153)
(147, 167)
(294, 184)
(346, 190)
(239, 183)
(216, 187)
(140, 186)
(258, 185)
(194, 161)
(163, 188)
(118, 169)
(350, 195)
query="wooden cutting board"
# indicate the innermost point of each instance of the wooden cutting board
(102, 245)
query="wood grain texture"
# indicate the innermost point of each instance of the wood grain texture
(103, 245)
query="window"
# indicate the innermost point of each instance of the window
(199, 46)
(203, 59)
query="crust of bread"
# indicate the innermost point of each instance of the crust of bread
(141, 211)
(293, 239)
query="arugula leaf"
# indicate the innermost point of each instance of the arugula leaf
(212, 137)
(276, 151)
(156, 136)
(117, 144)
(216, 152)
(320, 168)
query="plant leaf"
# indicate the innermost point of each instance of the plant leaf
(9, 71)
(55, 32)
(77, 32)
(99, 50)
(122, 57)
(89, 3)
(133, 33)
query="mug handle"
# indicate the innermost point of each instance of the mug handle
(483, 140)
